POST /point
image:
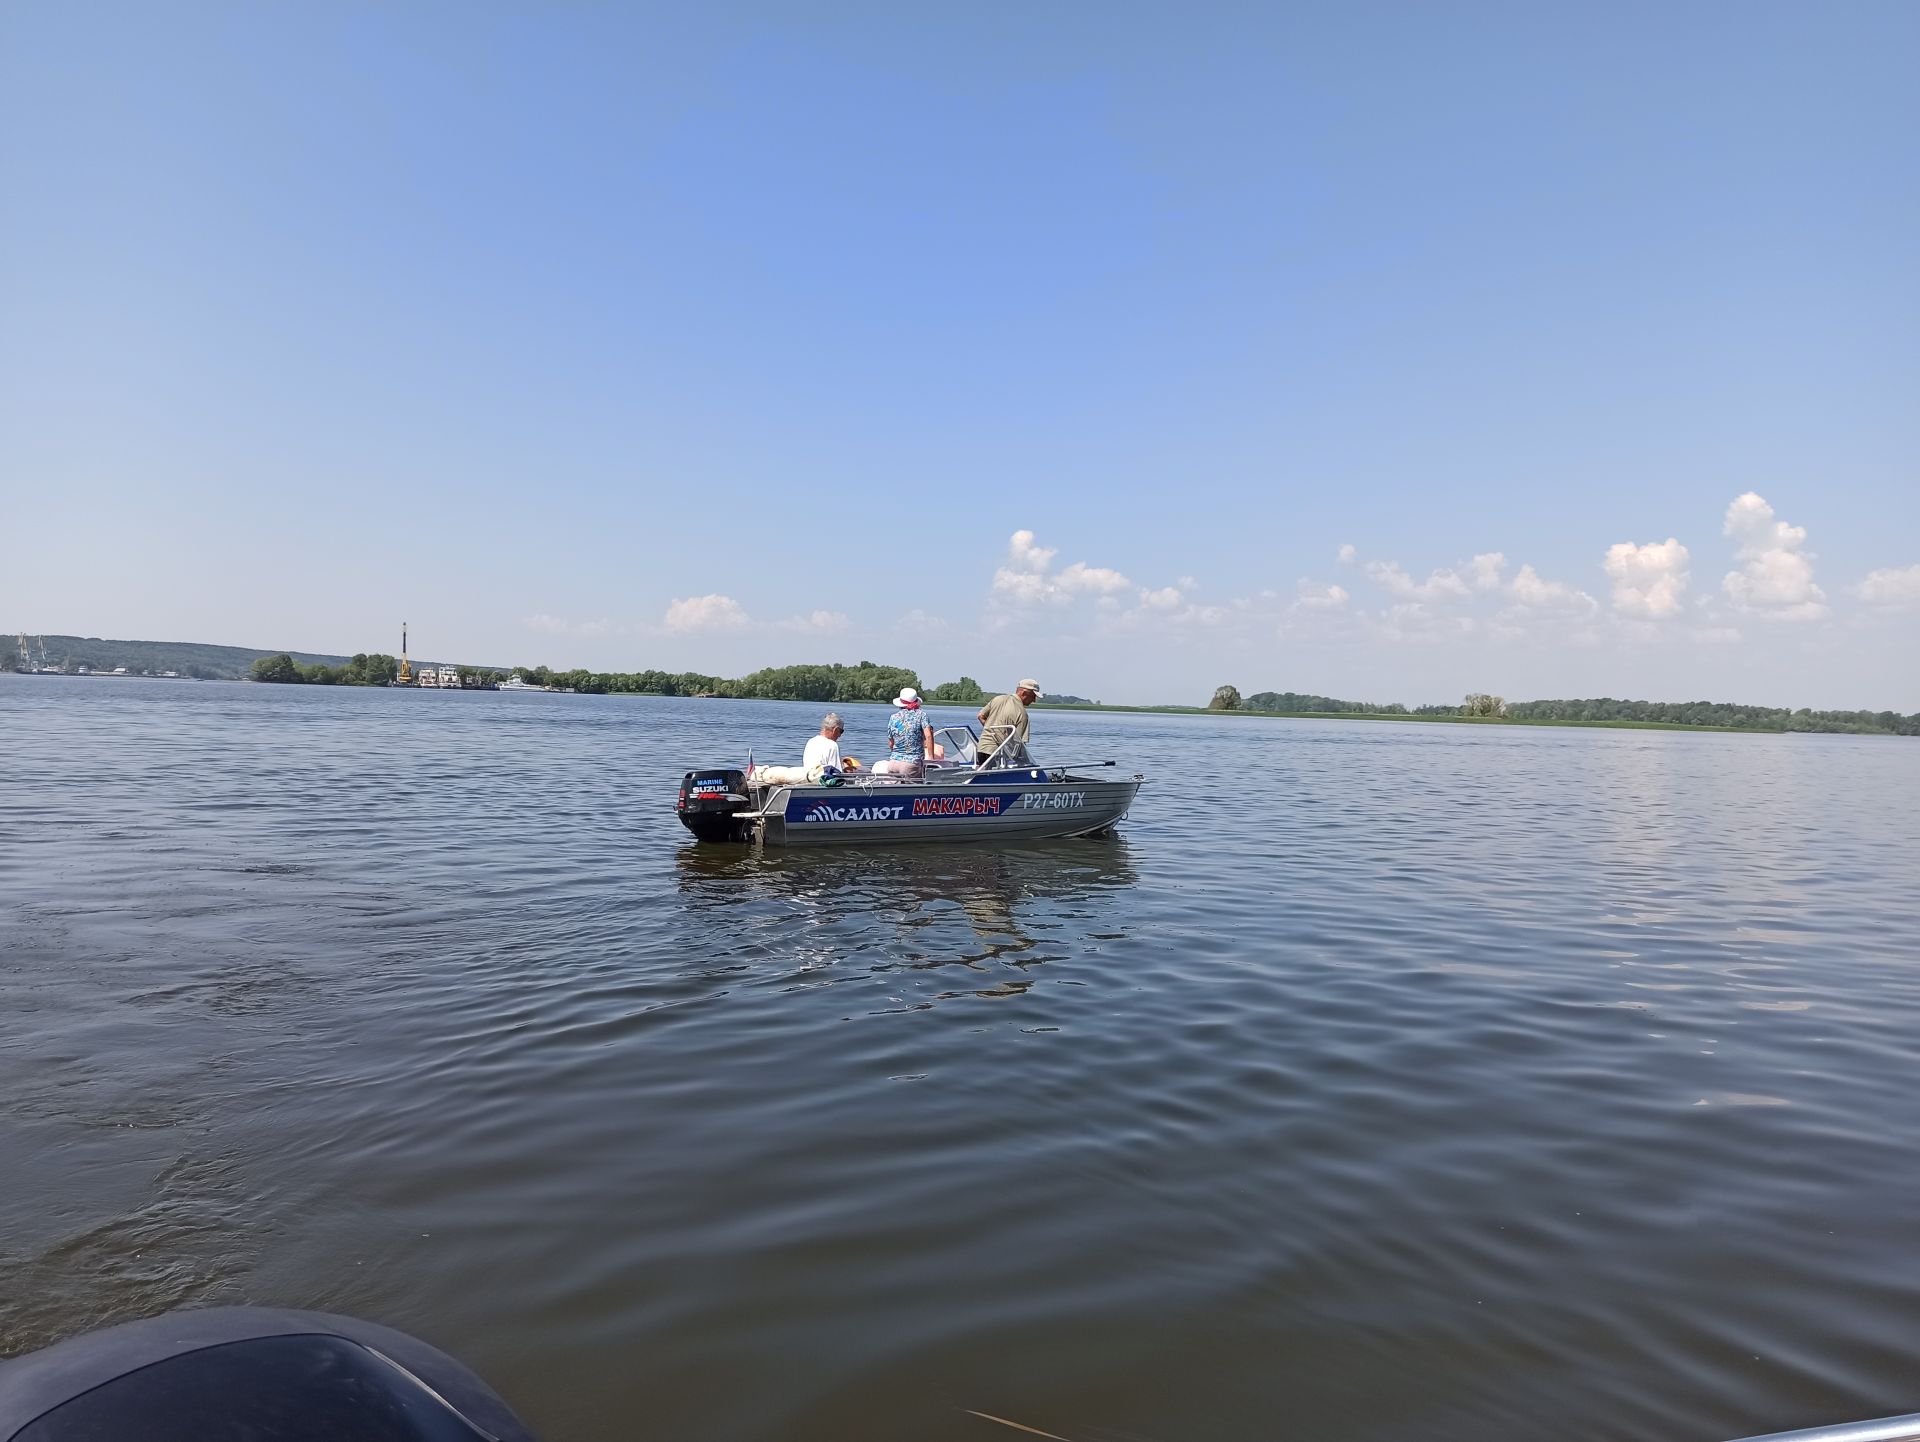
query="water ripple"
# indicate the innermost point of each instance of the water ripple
(1376, 1079)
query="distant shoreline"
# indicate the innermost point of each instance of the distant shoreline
(871, 684)
(1043, 706)
(1068, 709)
(1429, 719)
(1050, 709)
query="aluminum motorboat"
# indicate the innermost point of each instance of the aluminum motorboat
(961, 797)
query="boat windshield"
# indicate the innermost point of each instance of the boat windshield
(959, 742)
(1010, 752)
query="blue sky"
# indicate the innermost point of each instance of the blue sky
(713, 337)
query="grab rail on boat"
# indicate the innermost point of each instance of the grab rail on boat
(1885, 1429)
(1012, 745)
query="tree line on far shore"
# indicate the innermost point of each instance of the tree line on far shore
(360, 669)
(1719, 713)
(869, 682)
(828, 683)
(1228, 698)
(1604, 708)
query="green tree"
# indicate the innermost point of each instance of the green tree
(1225, 698)
(1296, 701)
(964, 692)
(1479, 703)
(278, 669)
(789, 683)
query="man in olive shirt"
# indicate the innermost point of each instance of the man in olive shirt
(1006, 716)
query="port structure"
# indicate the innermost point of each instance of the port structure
(404, 677)
(27, 663)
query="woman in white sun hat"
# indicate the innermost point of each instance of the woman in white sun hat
(909, 738)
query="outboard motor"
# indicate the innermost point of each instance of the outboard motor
(238, 1374)
(711, 803)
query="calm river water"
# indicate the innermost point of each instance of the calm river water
(1377, 1081)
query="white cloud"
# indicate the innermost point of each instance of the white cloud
(1082, 579)
(561, 626)
(1775, 580)
(1316, 597)
(1026, 556)
(820, 622)
(1159, 609)
(1531, 590)
(1891, 587)
(1348, 554)
(1648, 580)
(1187, 583)
(1412, 621)
(1201, 615)
(1441, 585)
(1765, 584)
(705, 613)
(1750, 520)
(1486, 570)
(1023, 588)
(1028, 578)
(1528, 592)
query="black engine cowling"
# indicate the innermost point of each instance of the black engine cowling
(711, 803)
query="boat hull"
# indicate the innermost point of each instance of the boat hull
(1007, 807)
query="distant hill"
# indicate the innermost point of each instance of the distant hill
(189, 658)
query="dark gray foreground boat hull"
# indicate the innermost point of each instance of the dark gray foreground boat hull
(231, 1373)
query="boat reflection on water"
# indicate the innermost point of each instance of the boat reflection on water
(969, 906)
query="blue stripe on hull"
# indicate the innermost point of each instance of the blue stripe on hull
(1008, 811)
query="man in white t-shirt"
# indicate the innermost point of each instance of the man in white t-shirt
(824, 750)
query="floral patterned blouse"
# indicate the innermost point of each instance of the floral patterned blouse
(906, 738)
